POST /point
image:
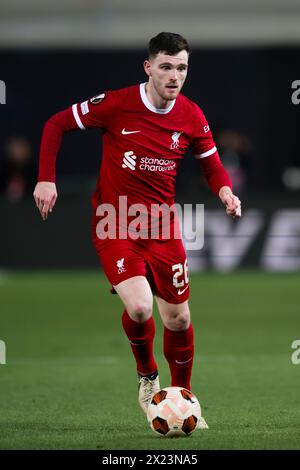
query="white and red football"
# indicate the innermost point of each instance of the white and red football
(174, 411)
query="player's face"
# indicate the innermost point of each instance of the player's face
(168, 73)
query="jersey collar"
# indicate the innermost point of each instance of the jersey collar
(150, 105)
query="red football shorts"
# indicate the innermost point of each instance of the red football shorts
(162, 262)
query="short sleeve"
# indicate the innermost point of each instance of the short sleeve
(203, 144)
(95, 112)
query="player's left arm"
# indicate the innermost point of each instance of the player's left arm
(231, 202)
(220, 184)
(206, 153)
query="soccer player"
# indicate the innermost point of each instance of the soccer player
(147, 128)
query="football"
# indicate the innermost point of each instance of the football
(174, 411)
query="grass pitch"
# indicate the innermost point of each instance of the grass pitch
(70, 382)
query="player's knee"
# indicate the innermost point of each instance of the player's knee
(180, 322)
(140, 311)
(183, 321)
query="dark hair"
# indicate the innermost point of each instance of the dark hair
(170, 43)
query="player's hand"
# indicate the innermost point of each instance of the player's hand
(45, 196)
(231, 202)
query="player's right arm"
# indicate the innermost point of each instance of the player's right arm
(45, 193)
(95, 112)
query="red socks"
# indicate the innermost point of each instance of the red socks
(178, 349)
(141, 336)
(179, 352)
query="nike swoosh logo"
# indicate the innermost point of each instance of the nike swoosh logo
(183, 362)
(180, 292)
(124, 132)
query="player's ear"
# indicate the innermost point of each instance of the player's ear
(147, 67)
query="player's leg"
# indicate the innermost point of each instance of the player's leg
(178, 341)
(137, 298)
(139, 327)
(168, 265)
(125, 269)
(138, 322)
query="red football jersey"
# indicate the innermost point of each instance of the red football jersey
(142, 145)
(142, 150)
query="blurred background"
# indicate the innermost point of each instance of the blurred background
(245, 59)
